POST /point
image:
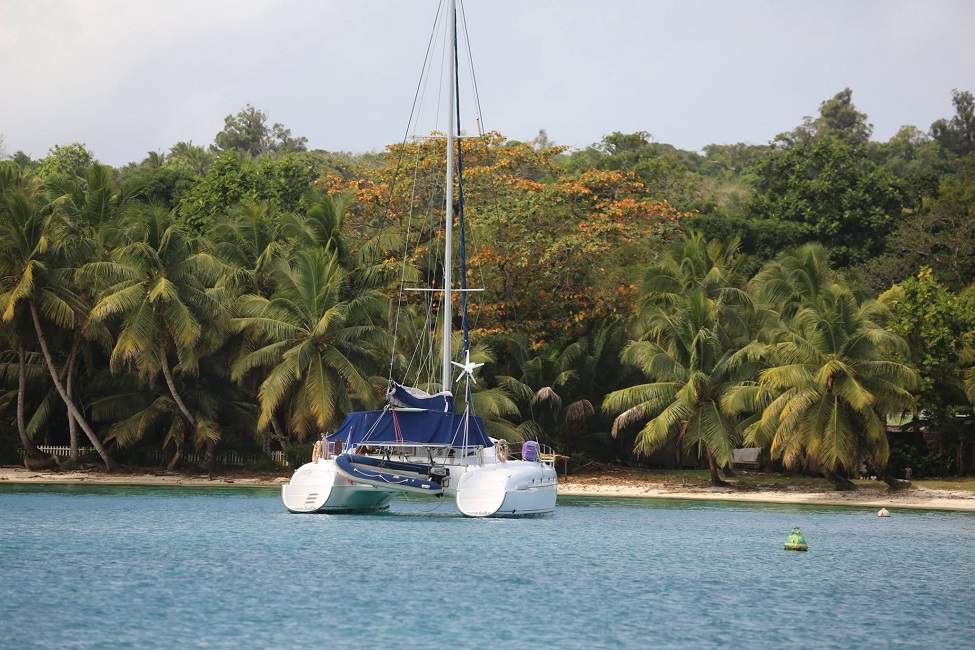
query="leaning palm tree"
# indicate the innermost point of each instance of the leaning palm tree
(88, 210)
(690, 361)
(313, 343)
(834, 376)
(695, 331)
(138, 413)
(30, 276)
(160, 288)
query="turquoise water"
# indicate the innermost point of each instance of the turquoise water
(174, 567)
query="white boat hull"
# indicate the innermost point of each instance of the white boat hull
(318, 487)
(509, 489)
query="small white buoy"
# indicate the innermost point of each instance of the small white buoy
(883, 512)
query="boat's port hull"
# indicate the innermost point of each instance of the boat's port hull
(318, 487)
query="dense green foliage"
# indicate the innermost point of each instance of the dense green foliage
(642, 303)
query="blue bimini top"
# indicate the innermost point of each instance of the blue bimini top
(405, 427)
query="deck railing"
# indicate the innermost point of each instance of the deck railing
(546, 454)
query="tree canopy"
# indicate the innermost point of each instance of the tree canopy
(641, 303)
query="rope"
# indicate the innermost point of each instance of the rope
(396, 428)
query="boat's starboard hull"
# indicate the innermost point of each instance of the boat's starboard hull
(508, 489)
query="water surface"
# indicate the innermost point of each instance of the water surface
(92, 567)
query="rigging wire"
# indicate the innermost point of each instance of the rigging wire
(487, 151)
(470, 59)
(460, 204)
(392, 186)
(432, 326)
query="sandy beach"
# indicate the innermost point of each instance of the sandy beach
(608, 485)
(916, 498)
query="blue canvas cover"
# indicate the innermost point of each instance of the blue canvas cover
(400, 395)
(420, 427)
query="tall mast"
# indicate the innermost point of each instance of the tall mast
(449, 213)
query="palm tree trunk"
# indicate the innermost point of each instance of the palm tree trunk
(841, 481)
(30, 449)
(210, 456)
(69, 387)
(164, 362)
(68, 402)
(278, 434)
(33, 458)
(713, 468)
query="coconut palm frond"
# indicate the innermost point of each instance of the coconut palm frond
(546, 396)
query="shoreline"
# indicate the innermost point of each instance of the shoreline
(603, 486)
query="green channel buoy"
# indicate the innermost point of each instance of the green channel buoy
(795, 541)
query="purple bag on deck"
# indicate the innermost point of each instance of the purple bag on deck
(529, 451)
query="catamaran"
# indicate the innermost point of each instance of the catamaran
(418, 443)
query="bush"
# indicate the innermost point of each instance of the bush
(298, 455)
(9, 447)
(266, 466)
(923, 463)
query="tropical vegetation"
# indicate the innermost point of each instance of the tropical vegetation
(642, 304)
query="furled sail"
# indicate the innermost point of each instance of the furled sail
(410, 397)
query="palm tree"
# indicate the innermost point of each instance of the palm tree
(250, 241)
(16, 368)
(314, 344)
(560, 386)
(691, 364)
(138, 413)
(88, 211)
(795, 279)
(834, 376)
(694, 333)
(321, 224)
(189, 156)
(160, 286)
(30, 276)
(692, 262)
